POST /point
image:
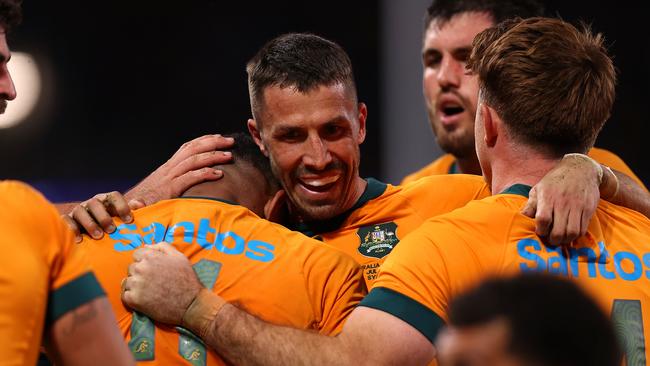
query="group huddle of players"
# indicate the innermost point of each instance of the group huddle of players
(268, 247)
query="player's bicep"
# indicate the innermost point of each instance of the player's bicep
(87, 334)
(379, 338)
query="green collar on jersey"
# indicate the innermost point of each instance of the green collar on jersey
(520, 189)
(212, 198)
(373, 190)
(453, 168)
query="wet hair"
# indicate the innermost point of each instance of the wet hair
(499, 10)
(245, 149)
(551, 83)
(299, 60)
(551, 320)
(10, 14)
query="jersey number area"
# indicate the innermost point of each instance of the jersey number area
(628, 323)
(190, 347)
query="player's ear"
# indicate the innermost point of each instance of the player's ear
(256, 133)
(362, 115)
(491, 120)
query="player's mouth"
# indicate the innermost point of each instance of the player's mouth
(316, 185)
(450, 111)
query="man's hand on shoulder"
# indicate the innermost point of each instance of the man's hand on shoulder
(565, 200)
(190, 165)
(95, 215)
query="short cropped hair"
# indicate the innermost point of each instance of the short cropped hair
(499, 10)
(551, 320)
(552, 83)
(10, 14)
(299, 60)
(246, 150)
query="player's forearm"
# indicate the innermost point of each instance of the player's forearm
(629, 193)
(243, 339)
(144, 192)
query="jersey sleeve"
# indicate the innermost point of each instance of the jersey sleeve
(72, 283)
(613, 161)
(428, 268)
(413, 285)
(44, 248)
(335, 283)
(109, 267)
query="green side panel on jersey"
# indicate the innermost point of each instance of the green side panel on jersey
(142, 343)
(191, 348)
(207, 271)
(628, 324)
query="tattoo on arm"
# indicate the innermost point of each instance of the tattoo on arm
(80, 315)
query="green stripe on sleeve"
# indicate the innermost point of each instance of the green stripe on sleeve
(417, 315)
(70, 296)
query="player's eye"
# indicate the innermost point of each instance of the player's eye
(333, 131)
(290, 136)
(431, 59)
(463, 56)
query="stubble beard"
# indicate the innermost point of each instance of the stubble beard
(459, 143)
(303, 210)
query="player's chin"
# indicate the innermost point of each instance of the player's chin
(322, 213)
(318, 210)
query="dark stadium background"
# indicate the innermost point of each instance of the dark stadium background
(127, 82)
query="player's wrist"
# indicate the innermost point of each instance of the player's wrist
(144, 195)
(581, 159)
(609, 185)
(202, 311)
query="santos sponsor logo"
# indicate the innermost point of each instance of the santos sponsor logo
(624, 265)
(130, 237)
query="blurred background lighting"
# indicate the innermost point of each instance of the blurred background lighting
(27, 80)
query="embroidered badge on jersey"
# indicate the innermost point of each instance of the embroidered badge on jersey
(377, 240)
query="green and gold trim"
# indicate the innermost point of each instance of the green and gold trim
(417, 315)
(70, 296)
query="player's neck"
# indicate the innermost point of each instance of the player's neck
(468, 165)
(518, 166)
(218, 190)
